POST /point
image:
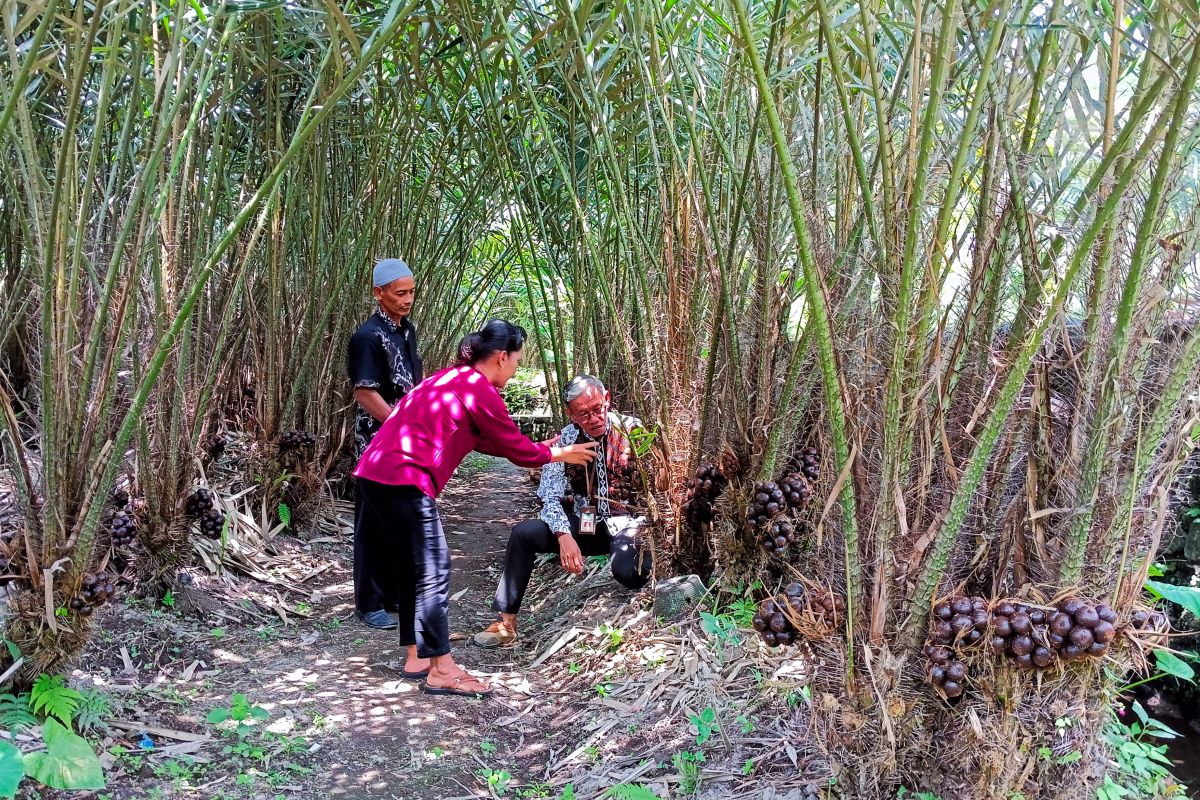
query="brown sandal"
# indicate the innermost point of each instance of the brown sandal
(455, 688)
(497, 635)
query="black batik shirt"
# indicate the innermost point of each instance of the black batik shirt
(383, 356)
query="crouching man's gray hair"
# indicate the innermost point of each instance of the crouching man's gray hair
(578, 385)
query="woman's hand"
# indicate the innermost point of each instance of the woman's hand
(552, 441)
(582, 453)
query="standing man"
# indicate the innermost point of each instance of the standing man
(383, 366)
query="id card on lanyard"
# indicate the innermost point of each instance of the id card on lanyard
(587, 513)
(587, 519)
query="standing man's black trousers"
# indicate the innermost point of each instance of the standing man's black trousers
(375, 556)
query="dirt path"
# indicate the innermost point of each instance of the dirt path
(342, 722)
(401, 743)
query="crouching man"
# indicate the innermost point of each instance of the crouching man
(586, 511)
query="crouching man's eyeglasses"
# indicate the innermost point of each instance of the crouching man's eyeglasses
(591, 413)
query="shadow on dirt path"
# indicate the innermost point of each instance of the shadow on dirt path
(343, 722)
(402, 743)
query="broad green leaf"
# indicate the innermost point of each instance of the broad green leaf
(12, 769)
(631, 791)
(1159, 754)
(68, 762)
(239, 709)
(1173, 665)
(1160, 731)
(1186, 596)
(1111, 790)
(217, 716)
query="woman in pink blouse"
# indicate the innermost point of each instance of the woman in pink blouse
(406, 466)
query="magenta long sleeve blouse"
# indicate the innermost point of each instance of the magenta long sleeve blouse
(432, 429)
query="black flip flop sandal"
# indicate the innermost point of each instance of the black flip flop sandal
(404, 673)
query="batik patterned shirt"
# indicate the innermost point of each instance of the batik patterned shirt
(382, 356)
(566, 486)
